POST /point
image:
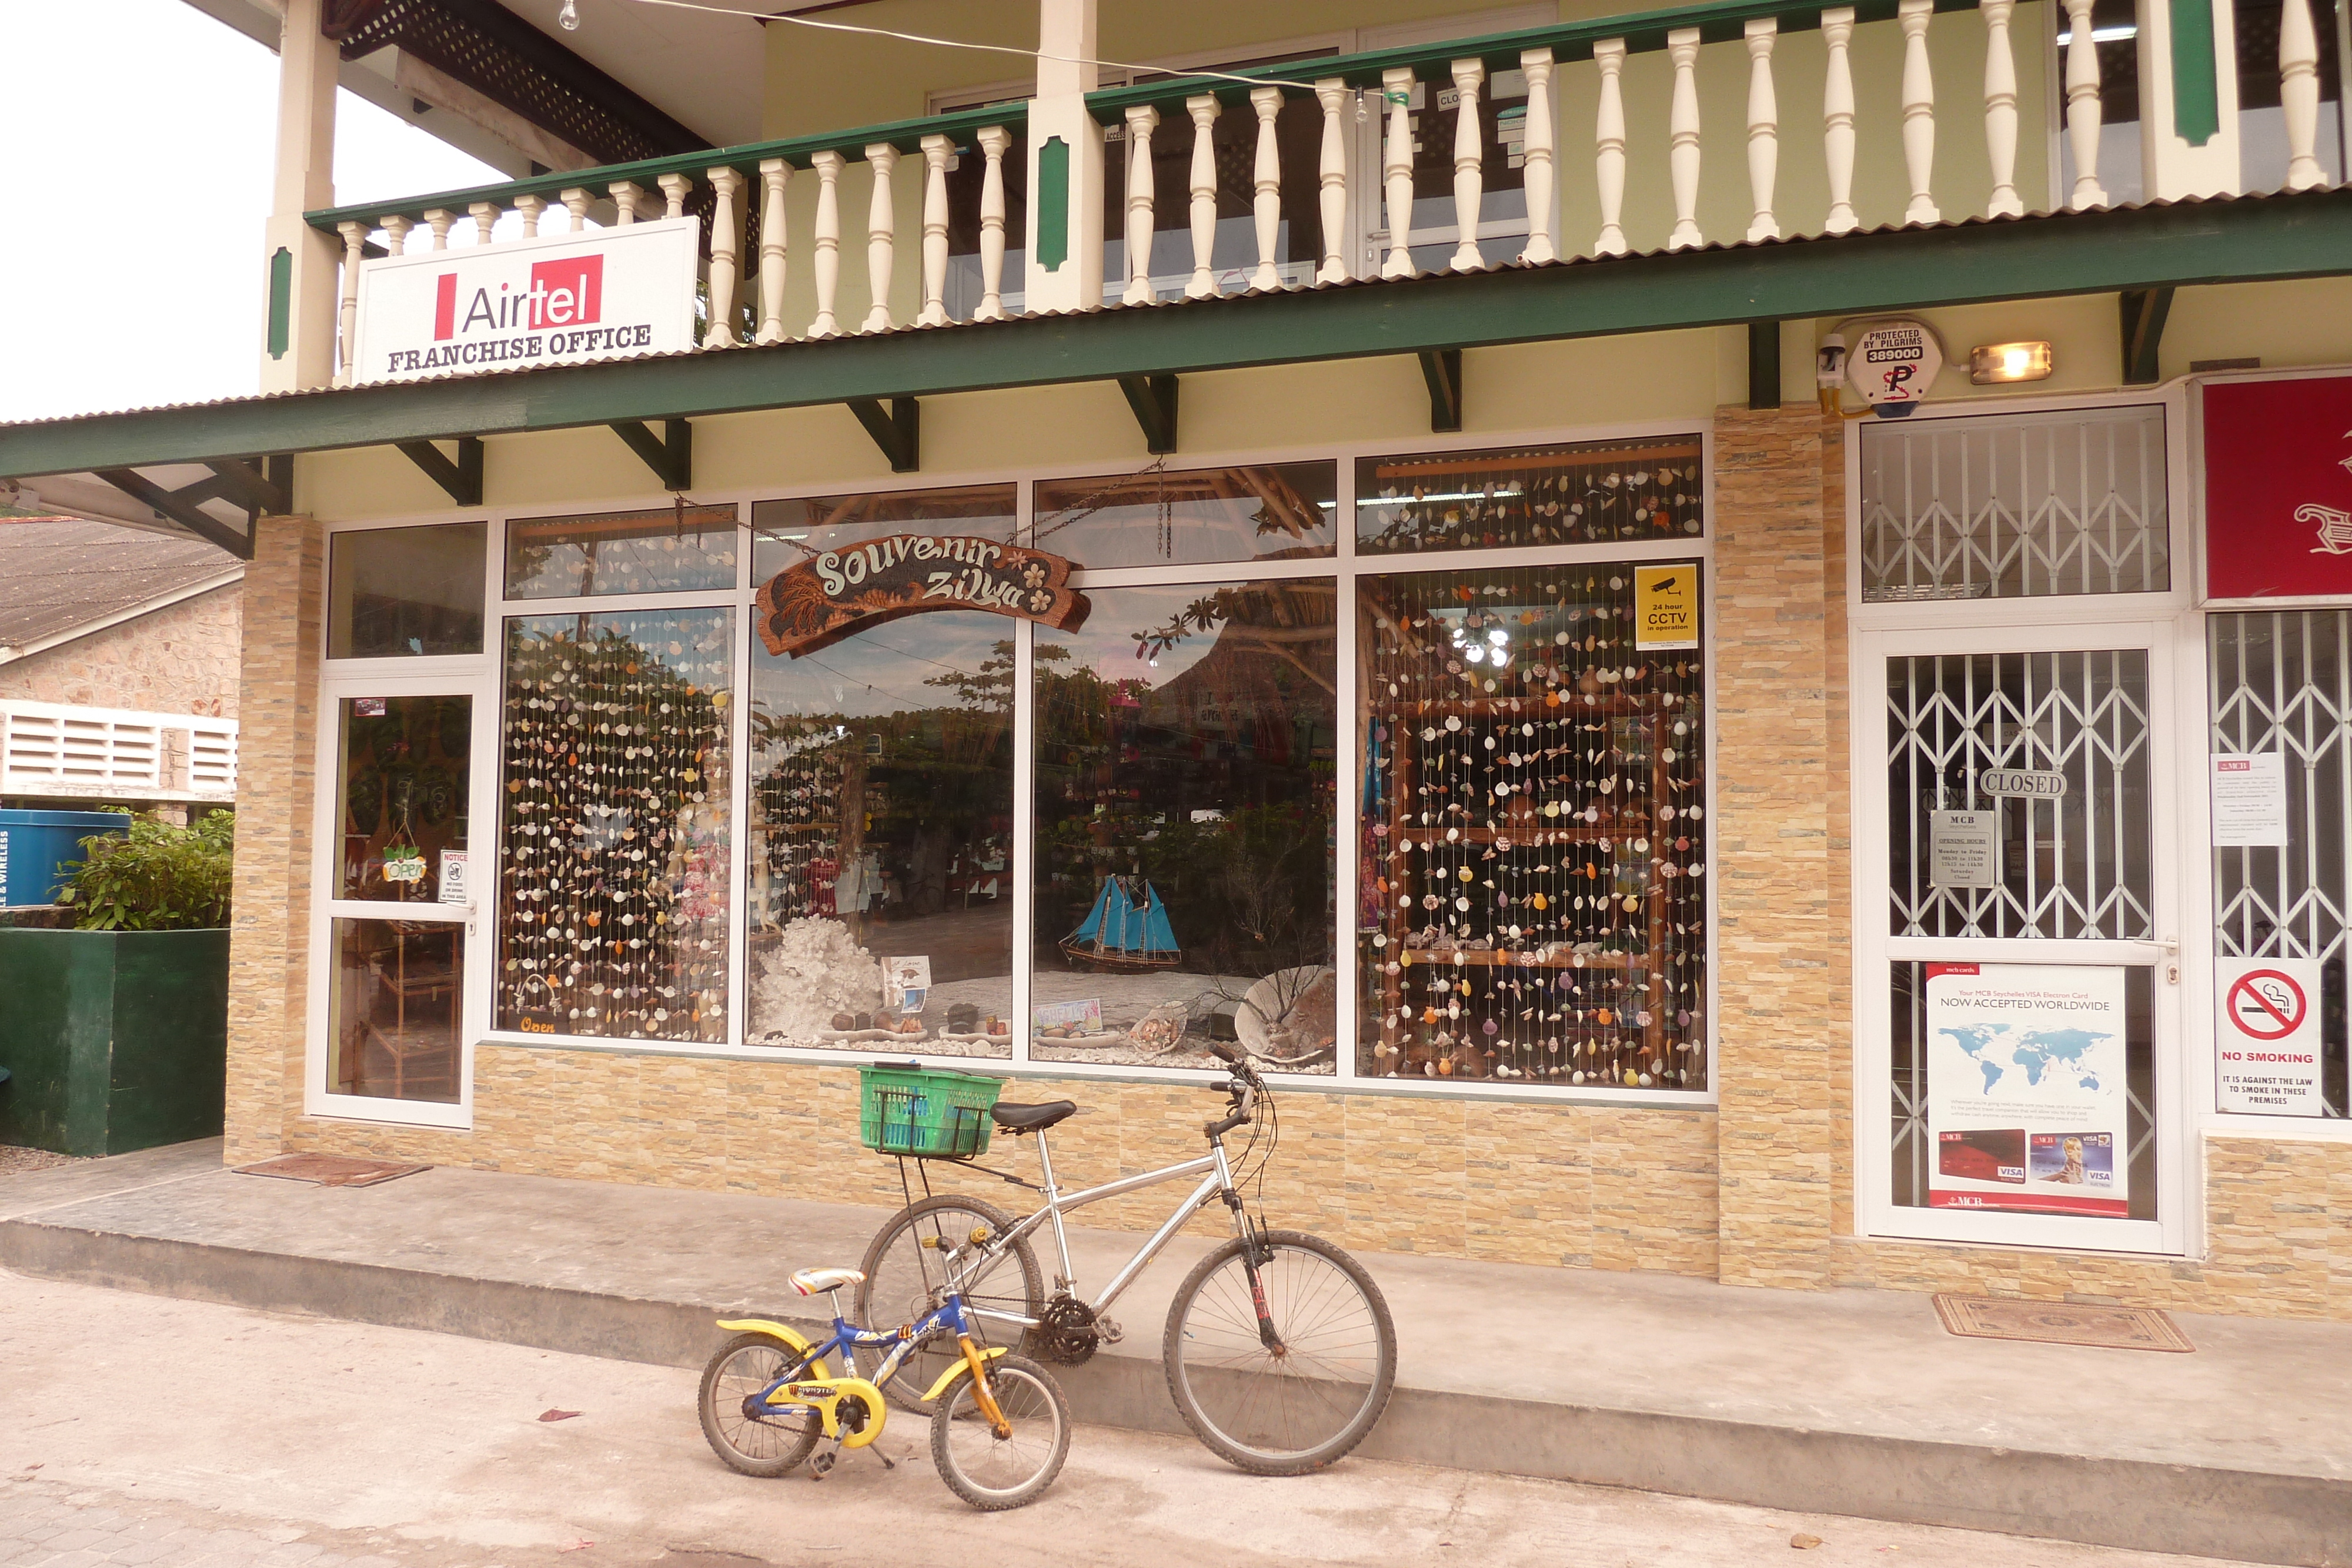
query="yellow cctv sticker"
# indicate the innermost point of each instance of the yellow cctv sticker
(1665, 606)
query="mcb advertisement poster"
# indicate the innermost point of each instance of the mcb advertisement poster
(2026, 1098)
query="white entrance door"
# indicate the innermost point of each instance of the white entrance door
(2017, 969)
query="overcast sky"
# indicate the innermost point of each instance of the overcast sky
(143, 132)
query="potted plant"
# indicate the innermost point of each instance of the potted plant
(116, 1030)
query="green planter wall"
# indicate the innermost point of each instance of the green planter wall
(114, 1041)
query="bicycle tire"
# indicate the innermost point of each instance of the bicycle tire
(1029, 1397)
(900, 1275)
(1216, 1364)
(724, 1424)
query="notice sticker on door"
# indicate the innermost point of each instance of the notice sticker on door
(453, 877)
(1665, 606)
(1964, 849)
(2249, 801)
(2266, 1042)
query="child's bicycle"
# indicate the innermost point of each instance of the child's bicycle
(1000, 1426)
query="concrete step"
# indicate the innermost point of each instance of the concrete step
(1850, 1403)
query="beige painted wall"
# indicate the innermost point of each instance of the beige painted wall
(182, 658)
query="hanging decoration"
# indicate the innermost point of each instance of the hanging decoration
(817, 603)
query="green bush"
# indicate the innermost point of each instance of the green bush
(161, 878)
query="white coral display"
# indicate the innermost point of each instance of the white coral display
(815, 970)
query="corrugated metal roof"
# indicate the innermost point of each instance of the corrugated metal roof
(58, 574)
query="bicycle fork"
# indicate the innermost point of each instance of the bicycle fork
(1253, 1253)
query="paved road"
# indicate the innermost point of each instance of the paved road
(138, 1429)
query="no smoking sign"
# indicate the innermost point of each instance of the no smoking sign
(2267, 1005)
(2266, 1049)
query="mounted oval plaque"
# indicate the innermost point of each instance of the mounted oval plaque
(2021, 783)
(828, 597)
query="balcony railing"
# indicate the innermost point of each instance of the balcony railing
(1325, 146)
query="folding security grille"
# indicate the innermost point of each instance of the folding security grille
(2077, 866)
(2282, 685)
(2015, 506)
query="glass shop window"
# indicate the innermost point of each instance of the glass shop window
(1533, 843)
(1276, 511)
(406, 591)
(2014, 506)
(1542, 496)
(787, 532)
(614, 853)
(881, 886)
(667, 550)
(2282, 692)
(401, 783)
(397, 1001)
(1185, 782)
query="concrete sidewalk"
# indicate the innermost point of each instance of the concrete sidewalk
(1850, 1402)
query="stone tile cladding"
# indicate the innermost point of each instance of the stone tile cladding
(276, 750)
(183, 658)
(1777, 1025)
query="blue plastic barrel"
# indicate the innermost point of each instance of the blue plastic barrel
(37, 846)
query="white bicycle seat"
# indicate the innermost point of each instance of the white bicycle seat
(816, 1282)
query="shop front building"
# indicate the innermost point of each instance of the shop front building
(1650, 794)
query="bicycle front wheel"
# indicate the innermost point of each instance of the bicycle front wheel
(993, 1473)
(1308, 1397)
(909, 1259)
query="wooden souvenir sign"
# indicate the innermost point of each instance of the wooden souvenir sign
(822, 600)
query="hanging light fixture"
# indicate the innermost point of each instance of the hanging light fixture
(567, 18)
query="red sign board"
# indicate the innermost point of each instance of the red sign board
(828, 597)
(2278, 487)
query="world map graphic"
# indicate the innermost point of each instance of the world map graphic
(2042, 1055)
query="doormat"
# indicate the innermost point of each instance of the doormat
(330, 1170)
(2060, 1323)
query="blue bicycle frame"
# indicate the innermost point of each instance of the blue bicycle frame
(951, 1318)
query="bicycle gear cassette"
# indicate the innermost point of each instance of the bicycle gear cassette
(1067, 1332)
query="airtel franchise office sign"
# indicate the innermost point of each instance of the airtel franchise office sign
(560, 300)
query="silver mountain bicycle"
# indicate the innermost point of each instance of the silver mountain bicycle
(1279, 1350)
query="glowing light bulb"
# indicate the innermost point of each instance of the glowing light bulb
(567, 18)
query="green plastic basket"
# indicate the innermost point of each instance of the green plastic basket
(924, 1114)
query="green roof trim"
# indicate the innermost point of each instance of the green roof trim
(2248, 239)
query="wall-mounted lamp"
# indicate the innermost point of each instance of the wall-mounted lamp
(1993, 362)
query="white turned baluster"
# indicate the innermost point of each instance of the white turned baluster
(1682, 156)
(934, 231)
(625, 194)
(1140, 118)
(2299, 94)
(530, 208)
(1542, 183)
(2001, 109)
(1469, 172)
(1268, 101)
(1331, 94)
(348, 316)
(994, 141)
(1763, 129)
(1204, 110)
(1609, 146)
(881, 237)
(827, 266)
(1396, 168)
(726, 255)
(2083, 109)
(674, 188)
(1918, 111)
(438, 221)
(486, 217)
(575, 202)
(395, 235)
(775, 249)
(1837, 119)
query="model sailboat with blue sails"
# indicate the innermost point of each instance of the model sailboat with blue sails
(1127, 930)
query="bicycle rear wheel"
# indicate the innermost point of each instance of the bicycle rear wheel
(763, 1441)
(909, 1260)
(993, 1473)
(1300, 1404)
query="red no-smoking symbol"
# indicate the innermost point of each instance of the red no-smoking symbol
(2266, 1005)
